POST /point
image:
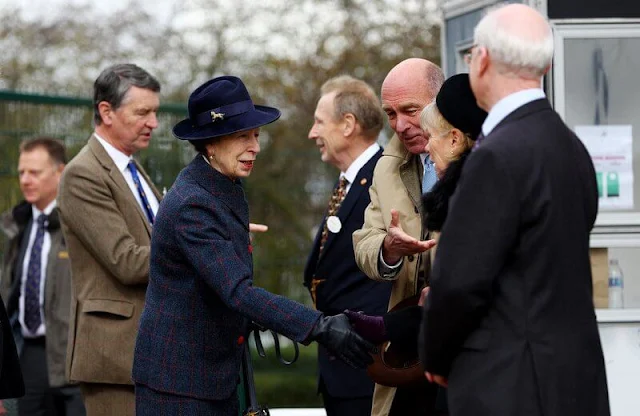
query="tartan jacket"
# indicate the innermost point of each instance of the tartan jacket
(201, 293)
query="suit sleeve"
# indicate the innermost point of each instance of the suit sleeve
(89, 211)
(479, 232)
(202, 238)
(367, 241)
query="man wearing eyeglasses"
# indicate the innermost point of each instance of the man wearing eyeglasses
(511, 330)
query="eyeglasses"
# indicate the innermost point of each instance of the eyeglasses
(469, 54)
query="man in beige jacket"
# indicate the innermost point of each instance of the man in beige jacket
(107, 206)
(392, 242)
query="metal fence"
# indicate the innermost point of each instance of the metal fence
(24, 116)
(280, 258)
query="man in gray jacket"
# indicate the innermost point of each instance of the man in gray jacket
(36, 284)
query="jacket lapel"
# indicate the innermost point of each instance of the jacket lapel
(410, 180)
(57, 249)
(116, 176)
(16, 283)
(359, 185)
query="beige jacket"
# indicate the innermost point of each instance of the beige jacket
(396, 184)
(108, 238)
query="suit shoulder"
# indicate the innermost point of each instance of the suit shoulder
(387, 163)
(83, 161)
(80, 170)
(368, 168)
(186, 192)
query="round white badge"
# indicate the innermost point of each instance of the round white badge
(333, 224)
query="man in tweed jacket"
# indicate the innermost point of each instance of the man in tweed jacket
(108, 231)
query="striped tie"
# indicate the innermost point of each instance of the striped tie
(143, 197)
(339, 192)
(32, 318)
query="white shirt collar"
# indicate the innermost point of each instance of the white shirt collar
(120, 159)
(360, 161)
(508, 105)
(35, 212)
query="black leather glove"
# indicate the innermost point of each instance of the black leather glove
(335, 333)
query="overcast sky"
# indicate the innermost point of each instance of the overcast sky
(39, 9)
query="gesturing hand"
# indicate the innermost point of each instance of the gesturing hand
(257, 228)
(398, 244)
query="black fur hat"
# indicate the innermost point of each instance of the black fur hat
(458, 106)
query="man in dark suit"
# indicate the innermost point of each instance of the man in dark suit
(37, 282)
(347, 122)
(509, 321)
(107, 206)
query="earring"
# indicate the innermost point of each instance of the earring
(210, 157)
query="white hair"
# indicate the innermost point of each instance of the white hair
(528, 57)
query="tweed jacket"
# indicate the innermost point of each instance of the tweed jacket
(201, 293)
(344, 285)
(513, 325)
(57, 290)
(396, 184)
(108, 238)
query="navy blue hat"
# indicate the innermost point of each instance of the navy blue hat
(220, 107)
(458, 106)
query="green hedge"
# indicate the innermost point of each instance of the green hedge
(295, 385)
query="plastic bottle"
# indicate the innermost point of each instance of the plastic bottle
(616, 285)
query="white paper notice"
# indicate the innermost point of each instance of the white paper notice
(610, 148)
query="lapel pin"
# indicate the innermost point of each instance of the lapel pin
(333, 224)
(363, 181)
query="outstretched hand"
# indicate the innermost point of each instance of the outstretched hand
(398, 244)
(335, 334)
(257, 228)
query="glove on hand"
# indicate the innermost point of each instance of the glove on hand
(371, 328)
(335, 333)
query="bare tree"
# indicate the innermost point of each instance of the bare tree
(283, 51)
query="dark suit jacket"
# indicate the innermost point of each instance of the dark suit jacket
(510, 317)
(57, 292)
(201, 291)
(346, 286)
(11, 383)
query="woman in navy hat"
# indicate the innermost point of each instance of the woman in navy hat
(453, 122)
(201, 296)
